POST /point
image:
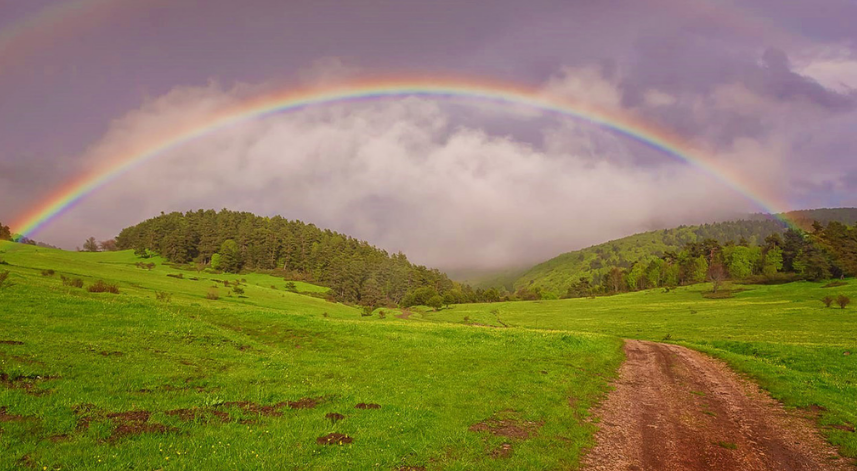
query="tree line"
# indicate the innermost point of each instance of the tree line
(354, 270)
(821, 253)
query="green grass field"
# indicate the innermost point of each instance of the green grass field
(782, 336)
(125, 381)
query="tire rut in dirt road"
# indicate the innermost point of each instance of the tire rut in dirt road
(677, 409)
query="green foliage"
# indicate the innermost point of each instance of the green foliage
(237, 241)
(215, 261)
(596, 263)
(772, 261)
(5, 232)
(164, 296)
(90, 245)
(435, 302)
(72, 282)
(230, 257)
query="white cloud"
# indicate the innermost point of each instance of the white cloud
(401, 174)
(585, 85)
(832, 65)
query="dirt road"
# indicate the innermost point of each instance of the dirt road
(677, 409)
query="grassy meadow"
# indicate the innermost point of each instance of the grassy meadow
(782, 336)
(270, 379)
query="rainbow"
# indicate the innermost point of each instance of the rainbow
(20, 37)
(292, 100)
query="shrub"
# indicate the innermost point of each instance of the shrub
(73, 282)
(435, 301)
(102, 287)
(835, 284)
(843, 301)
(212, 294)
(48, 273)
(4, 275)
(827, 300)
(367, 311)
(163, 296)
(238, 290)
(382, 314)
(291, 286)
(3, 262)
(325, 315)
(176, 275)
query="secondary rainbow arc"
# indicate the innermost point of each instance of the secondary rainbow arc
(629, 125)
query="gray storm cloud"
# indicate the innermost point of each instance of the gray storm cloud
(763, 90)
(402, 174)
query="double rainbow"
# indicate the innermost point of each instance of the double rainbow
(292, 100)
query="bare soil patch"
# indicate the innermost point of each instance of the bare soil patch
(510, 428)
(502, 451)
(334, 417)
(334, 439)
(135, 422)
(11, 342)
(676, 409)
(405, 314)
(305, 403)
(28, 383)
(7, 417)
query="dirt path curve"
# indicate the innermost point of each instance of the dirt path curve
(677, 409)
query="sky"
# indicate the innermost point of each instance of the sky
(767, 87)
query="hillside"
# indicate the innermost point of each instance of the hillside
(235, 242)
(162, 376)
(557, 274)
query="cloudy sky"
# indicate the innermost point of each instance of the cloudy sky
(767, 87)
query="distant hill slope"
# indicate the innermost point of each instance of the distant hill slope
(234, 242)
(556, 274)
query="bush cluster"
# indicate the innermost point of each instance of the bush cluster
(101, 287)
(73, 282)
(842, 301)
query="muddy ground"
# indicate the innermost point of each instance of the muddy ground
(677, 409)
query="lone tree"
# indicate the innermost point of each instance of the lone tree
(717, 274)
(843, 301)
(108, 245)
(90, 245)
(827, 300)
(435, 302)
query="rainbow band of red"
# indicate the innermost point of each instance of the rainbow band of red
(628, 125)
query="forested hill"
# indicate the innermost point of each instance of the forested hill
(557, 274)
(233, 241)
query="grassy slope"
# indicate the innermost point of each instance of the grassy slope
(781, 335)
(432, 381)
(558, 273)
